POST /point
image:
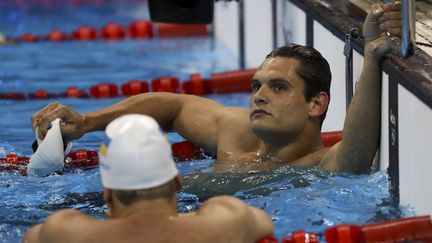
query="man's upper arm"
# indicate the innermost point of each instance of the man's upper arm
(346, 156)
(198, 121)
(329, 159)
(63, 225)
(236, 217)
(32, 236)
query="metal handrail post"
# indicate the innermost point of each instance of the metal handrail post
(407, 42)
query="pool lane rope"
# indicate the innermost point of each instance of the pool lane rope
(138, 29)
(87, 159)
(84, 159)
(218, 83)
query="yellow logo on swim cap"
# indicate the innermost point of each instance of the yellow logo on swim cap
(103, 149)
(104, 145)
(165, 137)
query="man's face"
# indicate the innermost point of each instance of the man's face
(277, 104)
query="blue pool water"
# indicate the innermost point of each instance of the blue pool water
(309, 199)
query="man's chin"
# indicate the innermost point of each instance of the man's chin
(260, 128)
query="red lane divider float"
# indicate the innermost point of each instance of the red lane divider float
(165, 84)
(74, 92)
(413, 229)
(331, 138)
(28, 37)
(186, 151)
(113, 31)
(138, 29)
(84, 33)
(268, 239)
(57, 36)
(301, 236)
(134, 87)
(104, 91)
(81, 158)
(232, 81)
(184, 30)
(219, 83)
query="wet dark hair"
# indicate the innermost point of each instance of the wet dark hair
(313, 69)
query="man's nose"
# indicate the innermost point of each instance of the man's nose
(260, 97)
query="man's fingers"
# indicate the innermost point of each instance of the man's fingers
(40, 114)
(390, 16)
(390, 21)
(392, 6)
(71, 122)
(377, 11)
(393, 27)
(44, 123)
(395, 31)
(393, 24)
(389, 25)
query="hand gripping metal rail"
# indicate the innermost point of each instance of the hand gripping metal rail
(407, 42)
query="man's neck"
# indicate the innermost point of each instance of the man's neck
(156, 208)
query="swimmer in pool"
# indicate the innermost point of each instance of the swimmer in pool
(289, 100)
(140, 181)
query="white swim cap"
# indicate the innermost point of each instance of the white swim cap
(135, 154)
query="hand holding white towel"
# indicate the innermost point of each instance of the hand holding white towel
(49, 157)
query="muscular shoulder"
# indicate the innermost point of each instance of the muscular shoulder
(235, 119)
(228, 202)
(64, 225)
(231, 113)
(227, 216)
(235, 133)
(226, 210)
(311, 159)
(238, 221)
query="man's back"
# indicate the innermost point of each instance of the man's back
(220, 219)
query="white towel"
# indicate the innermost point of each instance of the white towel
(49, 157)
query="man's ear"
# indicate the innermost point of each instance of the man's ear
(107, 195)
(179, 184)
(318, 104)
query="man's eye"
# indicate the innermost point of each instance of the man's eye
(278, 87)
(256, 86)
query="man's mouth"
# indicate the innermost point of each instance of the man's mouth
(259, 112)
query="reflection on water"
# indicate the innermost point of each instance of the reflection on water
(251, 184)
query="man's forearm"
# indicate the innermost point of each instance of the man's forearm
(362, 125)
(161, 106)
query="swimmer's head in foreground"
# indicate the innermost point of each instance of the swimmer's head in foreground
(135, 162)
